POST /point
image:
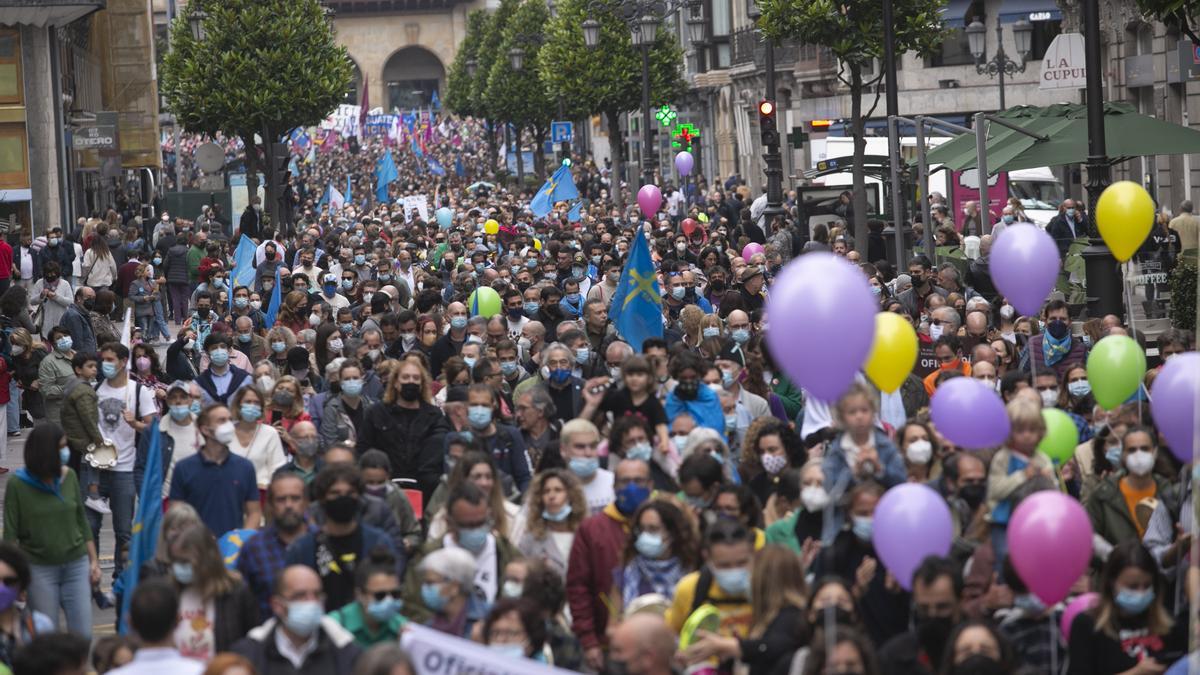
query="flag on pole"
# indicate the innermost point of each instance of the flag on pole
(336, 200)
(573, 215)
(435, 101)
(560, 187)
(636, 308)
(147, 522)
(366, 105)
(242, 273)
(273, 306)
(435, 167)
(385, 173)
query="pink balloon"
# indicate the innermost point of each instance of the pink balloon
(1074, 608)
(750, 249)
(1050, 542)
(1024, 265)
(649, 199)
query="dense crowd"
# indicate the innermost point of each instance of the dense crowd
(352, 442)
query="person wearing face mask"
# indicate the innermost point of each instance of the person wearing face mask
(374, 616)
(470, 529)
(449, 344)
(216, 608)
(556, 510)
(502, 441)
(178, 435)
(936, 592)
(55, 372)
(1054, 349)
(154, 618)
(723, 581)
(261, 558)
(343, 537)
(77, 320)
(377, 478)
(221, 379)
(1066, 226)
(1129, 630)
(298, 638)
(1120, 506)
(257, 442)
(221, 486)
(344, 412)
(800, 529)
(661, 548)
(691, 396)
(52, 294)
(183, 356)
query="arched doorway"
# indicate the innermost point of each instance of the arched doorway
(411, 76)
(354, 93)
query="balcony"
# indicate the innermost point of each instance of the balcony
(808, 61)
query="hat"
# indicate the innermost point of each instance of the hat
(330, 278)
(731, 351)
(180, 385)
(748, 273)
(579, 258)
(297, 358)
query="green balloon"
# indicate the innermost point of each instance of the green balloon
(1061, 435)
(484, 301)
(1115, 369)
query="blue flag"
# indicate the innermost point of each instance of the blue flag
(636, 308)
(146, 524)
(435, 101)
(385, 173)
(349, 192)
(573, 215)
(273, 306)
(435, 167)
(560, 188)
(459, 169)
(243, 266)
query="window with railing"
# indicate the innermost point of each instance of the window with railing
(720, 31)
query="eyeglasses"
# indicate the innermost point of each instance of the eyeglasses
(11, 582)
(395, 594)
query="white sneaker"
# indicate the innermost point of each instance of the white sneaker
(97, 504)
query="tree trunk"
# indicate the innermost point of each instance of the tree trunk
(539, 157)
(520, 157)
(492, 149)
(618, 163)
(859, 198)
(251, 150)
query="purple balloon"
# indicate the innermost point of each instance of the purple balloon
(684, 162)
(1050, 543)
(822, 323)
(912, 522)
(1024, 265)
(969, 413)
(1176, 399)
(649, 199)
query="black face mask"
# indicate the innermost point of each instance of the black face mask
(688, 390)
(1058, 329)
(89, 304)
(717, 285)
(841, 617)
(202, 312)
(978, 664)
(973, 494)
(932, 633)
(410, 391)
(341, 509)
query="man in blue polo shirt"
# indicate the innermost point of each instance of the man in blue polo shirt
(221, 486)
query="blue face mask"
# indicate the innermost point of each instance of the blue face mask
(250, 412)
(278, 347)
(734, 582)
(641, 451)
(650, 545)
(584, 467)
(512, 651)
(352, 387)
(458, 322)
(195, 407)
(563, 514)
(383, 610)
(64, 343)
(245, 338)
(219, 357)
(711, 332)
(863, 527)
(180, 412)
(678, 292)
(531, 308)
(431, 595)
(304, 617)
(384, 276)
(347, 328)
(347, 284)
(360, 259)
(218, 283)
(1113, 455)
(630, 497)
(183, 572)
(508, 368)
(110, 370)
(572, 298)
(740, 336)
(1134, 602)
(559, 376)
(64, 455)
(1070, 213)
(727, 379)
(1008, 219)
(241, 302)
(329, 289)
(470, 361)
(582, 355)
(480, 416)
(472, 538)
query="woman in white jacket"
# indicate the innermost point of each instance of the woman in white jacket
(53, 295)
(99, 266)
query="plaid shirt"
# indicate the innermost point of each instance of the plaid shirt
(261, 559)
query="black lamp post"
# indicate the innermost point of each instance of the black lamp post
(999, 65)
(196, 22)
(771, 154)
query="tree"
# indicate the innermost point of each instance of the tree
(460, 99)
(1179, 14)
(606, 80)
(853, 31)
(265, 67)
(520, 97)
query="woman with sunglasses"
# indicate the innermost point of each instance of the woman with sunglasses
(373, 617)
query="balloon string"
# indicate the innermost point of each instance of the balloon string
(1053, 645)
(1133, 329)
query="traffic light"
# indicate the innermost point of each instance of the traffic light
(768, 131)
(280, 158)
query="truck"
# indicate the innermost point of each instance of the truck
(1038, 190)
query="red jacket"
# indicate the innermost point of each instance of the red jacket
(595, 554)
(6, 260)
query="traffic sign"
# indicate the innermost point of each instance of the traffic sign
(562, 132)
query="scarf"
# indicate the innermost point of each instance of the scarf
(1054, 350)
(38, 484)
(642, 576)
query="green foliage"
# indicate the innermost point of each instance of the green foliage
(265, 63)
(460, 96)
(609, 78)
(519, 96)
(1179, 14)
(853, 29)
(1183, 293)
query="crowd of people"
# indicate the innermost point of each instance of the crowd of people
(351, 446)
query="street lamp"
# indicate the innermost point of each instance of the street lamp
(330, 14)
(516, 58)
(472, 66)
(999, 65)
(196, 20)
(697, 29)
(591, 33)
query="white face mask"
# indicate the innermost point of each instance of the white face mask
(814, 498)
(256, 304)
(224, 433)
(935, 331)
(1139, 463)
(919, 452)
(1049, 397)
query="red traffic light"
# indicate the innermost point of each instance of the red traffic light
(766, 107)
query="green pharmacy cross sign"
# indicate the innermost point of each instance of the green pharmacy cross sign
(666, 116)
(684, 135)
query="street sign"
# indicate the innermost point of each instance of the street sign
(562, 132)
(210, 157)
(211, 183)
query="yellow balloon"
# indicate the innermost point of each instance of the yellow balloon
(491, 226)
(1124, 215)
(537, 244)
(894, 353)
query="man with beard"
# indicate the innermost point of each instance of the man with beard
(936, 592)
(262, 557)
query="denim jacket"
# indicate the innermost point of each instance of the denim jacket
(839, 478)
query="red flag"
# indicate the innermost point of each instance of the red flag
(366, 105)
